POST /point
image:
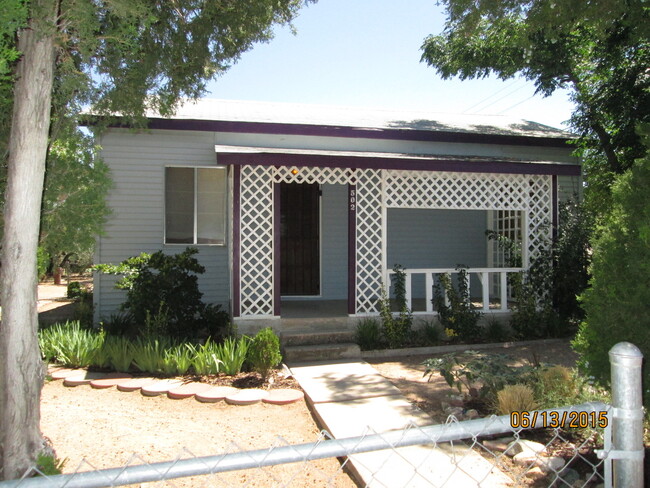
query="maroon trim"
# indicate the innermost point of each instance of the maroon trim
(236, 242)
(352, 249)
(399, 133)
(366, 162)
(556, 203)
(277, 291)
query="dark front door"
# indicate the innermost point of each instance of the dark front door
(299, 239)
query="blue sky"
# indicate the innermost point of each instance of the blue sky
(366, 53)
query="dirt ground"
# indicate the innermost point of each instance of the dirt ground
(94, 429)
(406, 373)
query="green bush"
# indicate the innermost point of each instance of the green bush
(477, 374)
(617, 304)
(42, 262)
(120, 352)
(368, 334)
(205, 360)
(74, 290)
(459, 315)
(232, 354)
(497, 331)
(149, 354)
(396, 329)
(70, 344)
(264, 352)
(163, 294)
(431, 333)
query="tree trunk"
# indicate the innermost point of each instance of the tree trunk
(21, 367)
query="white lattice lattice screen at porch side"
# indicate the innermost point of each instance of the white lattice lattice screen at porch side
(477, 191)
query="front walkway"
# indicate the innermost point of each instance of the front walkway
(351, 399)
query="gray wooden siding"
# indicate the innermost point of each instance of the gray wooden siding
(420, 238)
(569, 187)
(334, 242)
(137, 163)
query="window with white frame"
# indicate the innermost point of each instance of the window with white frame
(195, 205)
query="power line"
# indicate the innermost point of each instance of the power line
(516, 104)
(503, 97)
(490, 96)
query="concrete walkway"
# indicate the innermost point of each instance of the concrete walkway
(351, 398)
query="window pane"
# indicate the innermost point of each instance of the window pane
(211, 203)
(179, 205)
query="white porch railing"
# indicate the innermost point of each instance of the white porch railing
(483, 275)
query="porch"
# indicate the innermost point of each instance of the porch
(372, 212)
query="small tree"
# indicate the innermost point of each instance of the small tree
(264, 352)
(617, 304)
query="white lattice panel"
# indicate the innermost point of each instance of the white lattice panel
(540, 199)
(321, 176)
(256, 247)
(476, 191)
(461, 191)
(368, 240)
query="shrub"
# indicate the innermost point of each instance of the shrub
(515, 398)
(120, 324)
(431, 332)
(617, 304)
(217, 322)
(42, 262)
(497, 330)
(232, 354)
(556, 387)
(368, 334)
(74, 290)
(264, 352)
(396, 330)
(205, 360)
(161, 284)
(70, 344)
(120, 352)
(480, 375)
(459, 315)
(149, 353)
(177, 360)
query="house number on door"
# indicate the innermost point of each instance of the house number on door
(353, 200)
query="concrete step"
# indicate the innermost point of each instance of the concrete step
(321, 352)
(311, 338)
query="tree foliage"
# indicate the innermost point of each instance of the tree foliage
(618, 302)
(125, 57)
(598, 49)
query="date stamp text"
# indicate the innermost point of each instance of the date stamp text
(553, 420)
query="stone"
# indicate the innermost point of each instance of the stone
(283, 396)
(525, 459)
(134, 383)
(215, 394)
(498, 445)
(82, 379)
(535, 474)
(188, 390)
(551, 464)
(61, 374)
(570, 476)
(523, 445)
(472, 414)
(247, 396)
(159, 387)
(110, 380)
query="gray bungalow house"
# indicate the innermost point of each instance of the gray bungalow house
(304, 210)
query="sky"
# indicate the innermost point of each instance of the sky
(366, 53)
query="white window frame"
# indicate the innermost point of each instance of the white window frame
(195, 212)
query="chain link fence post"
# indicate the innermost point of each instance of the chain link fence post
(627, 416)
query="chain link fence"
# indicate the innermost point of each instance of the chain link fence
(536, 448)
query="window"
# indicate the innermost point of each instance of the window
(195, 205)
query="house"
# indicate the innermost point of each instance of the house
(304, 210)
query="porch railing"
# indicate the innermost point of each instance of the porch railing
(486, 277)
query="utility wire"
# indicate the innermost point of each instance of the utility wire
(503, 97)
(490, 96)
(516, 104)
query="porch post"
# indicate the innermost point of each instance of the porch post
(277, 302)
(236, 242)
(352, 249)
